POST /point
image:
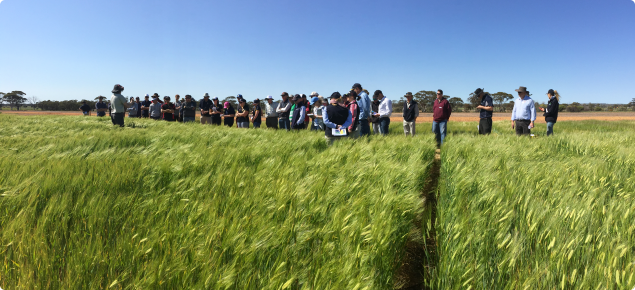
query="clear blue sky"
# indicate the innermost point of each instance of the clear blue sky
(73, 49)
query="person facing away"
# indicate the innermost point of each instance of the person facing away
(155, 109)
(188, 109)
(85, 108)
(204, 104)
(293, 102)
(101, 107)
(336, 116)
(242, 115)
(228, 114)
(364, 109)
(271, 114)
(167, 110)
(132, 108)
(551, 112)
(355, 112)
(119, 106)
(524, 113)
(283, 110)
(215, 110)
(440, 116)
(410, 114)
(256, 114)
(145, 106)
(384, 113)
(177, 108)
(374, 116)
(299, 113)
(487, 110)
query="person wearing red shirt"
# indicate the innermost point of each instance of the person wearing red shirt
(440, 117)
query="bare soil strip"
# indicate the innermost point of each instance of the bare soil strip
(420, 260)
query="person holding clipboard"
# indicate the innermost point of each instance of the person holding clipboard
(336, 119)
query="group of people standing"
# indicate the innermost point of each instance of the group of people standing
(342, 116)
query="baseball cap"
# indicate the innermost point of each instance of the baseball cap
(314, 99)
(335, 95)
(357, 86)
(215, 98)
(314, 94)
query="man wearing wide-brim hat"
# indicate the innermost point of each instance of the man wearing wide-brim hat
(410, 114)
(101, 107)
(118, 105)
(524, 113)
(205, 104)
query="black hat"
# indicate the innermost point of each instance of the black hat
(241, 100)
(257, 101)
(551, 92)
(377, 92)
(166, 97)
(335, 95)
(478, 92)
(357, 86)
(408, 94)
(117, 89)
(303, 96)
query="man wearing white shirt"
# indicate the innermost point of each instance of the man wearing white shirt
(385, 111)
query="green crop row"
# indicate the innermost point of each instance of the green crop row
(85, 205)
(538, 213)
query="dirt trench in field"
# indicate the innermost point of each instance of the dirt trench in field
(420, 260)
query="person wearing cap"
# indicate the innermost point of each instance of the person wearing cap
(364, 109)
(101, 107)
(271, 116)
(155, 109)
(145, 106)
(410, 114)
(204, 104)
(132, 108)
(524, 113)
(487, 110)
(188, 109)
(167, 110)
(354, 108)
(283, 112)
(336, 117)
(177, 108)
(316, 114)
(256, 114)
(299, 113)
(440, 116)
(551, 112)
(228, 114)
(85, 108)
(119, 105)
(215, 111)
(242, 115)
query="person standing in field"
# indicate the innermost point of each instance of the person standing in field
(271, 115)
(441, 115)
(374, 115)
(299, 113)
(283, 110)
(177, 108)
(364, 110)
(551, 112)
(204, 104)
(385, 111)
(293, 100)
(355, 112)
(188, 109)
(410, 114)
(336, 116)
(137, 105)
(155, 109)
(101, 107)
(317, 124)
(242, 116)
(228, 114)
(118, 106)
(256, 114)
(145, 107)
(167, 110)
(215, 110)
(487, 110)
(524, 113)
(85, 108)
(132, 108)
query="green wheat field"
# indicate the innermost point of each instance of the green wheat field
(157, 205)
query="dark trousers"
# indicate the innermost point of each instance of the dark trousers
(364, 127)
(216, 120)
(272, 122)
(284, 123)
(117, 119)
(485, 126)
(384, 125)
(522, 127)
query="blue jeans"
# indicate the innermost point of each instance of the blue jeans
(550, 128)
(364, 128)
(189, 119)
(439, 129)
(257, 125)
(284, 123)
(384, 125)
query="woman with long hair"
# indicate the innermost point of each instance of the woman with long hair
(551, 112)
(354, 109)
(228, 114)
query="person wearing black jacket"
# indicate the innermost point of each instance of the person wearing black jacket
(299, 113)
(551, 112)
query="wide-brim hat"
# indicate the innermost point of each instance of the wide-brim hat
(522, 89)
(408, 94)
(478, 91)
(269, 98)
(314, 94)
(206, 95)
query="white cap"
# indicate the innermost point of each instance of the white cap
(147, 95)
(269, 97)
(314, 94)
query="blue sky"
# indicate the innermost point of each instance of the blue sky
(73, 49)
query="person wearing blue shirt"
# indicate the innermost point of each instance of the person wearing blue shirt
(487, 110)
(524, 113)
(101, 107)
(364, 110)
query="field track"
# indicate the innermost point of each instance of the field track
(427, 117)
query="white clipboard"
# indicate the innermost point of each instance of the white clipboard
(339, 132)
